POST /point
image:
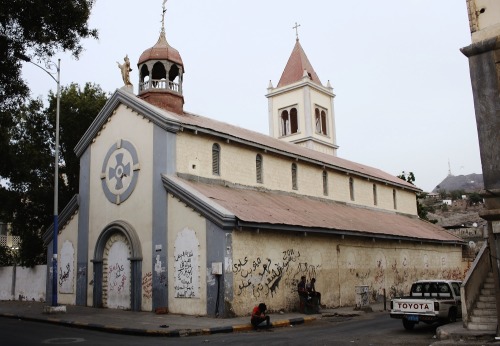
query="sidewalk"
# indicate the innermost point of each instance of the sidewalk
(149, 323)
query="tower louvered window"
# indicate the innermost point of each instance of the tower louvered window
(258, 167)
(394, 199)
(216, 159)
(375, 194)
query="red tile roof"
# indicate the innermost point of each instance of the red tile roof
(294, 69)
(271, 208)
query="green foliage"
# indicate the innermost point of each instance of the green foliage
(410, 178)
(422, 210)
(36, 30)
(456, 194)
(29, 195)
(78, 108)
(6, 256)
(475, 198)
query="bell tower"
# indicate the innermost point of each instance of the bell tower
(300, 108)
(161, 73)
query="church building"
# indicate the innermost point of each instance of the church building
(201, 217)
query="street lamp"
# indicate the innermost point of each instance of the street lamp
(48, 68)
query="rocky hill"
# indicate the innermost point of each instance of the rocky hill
(468, 183)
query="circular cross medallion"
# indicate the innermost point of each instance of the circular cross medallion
(120, 171)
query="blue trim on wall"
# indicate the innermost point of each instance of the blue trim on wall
(162, 154)
(82, 261)
(216, 251)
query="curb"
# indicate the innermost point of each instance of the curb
(149, 332)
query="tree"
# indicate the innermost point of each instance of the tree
(475, 198)
(35, 29)
(422, 210)
(78, 109)
(30, 188)
(30, 184)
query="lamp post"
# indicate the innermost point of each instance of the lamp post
(47, 69)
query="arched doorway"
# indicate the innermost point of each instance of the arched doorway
(118, 268)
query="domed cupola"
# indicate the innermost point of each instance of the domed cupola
(160, 75)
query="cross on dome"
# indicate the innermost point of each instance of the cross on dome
(164, 9)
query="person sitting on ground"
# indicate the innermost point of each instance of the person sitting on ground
(301, 288)
(259, 316)
(311, 290)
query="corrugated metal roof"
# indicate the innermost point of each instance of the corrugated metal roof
(290, 210)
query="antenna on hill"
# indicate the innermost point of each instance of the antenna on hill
(449, 168)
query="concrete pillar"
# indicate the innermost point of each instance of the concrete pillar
(484, 65)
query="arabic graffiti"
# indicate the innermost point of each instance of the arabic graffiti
(64, 276)
(263, 277)
(116, 276)
(184, 275)
(147, 285)
(66, 269)
(186, 268)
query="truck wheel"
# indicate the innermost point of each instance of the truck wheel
(452, 315)
(408, 324)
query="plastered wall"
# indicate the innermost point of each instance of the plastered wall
(187, 293)
(194, 156)
(67, 244)
(29, 283)
(267, 267)
(126, 125)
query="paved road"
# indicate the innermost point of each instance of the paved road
(372, 329)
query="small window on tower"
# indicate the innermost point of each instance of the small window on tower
(320, 121)
(289, 121)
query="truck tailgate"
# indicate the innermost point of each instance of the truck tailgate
(412, 306)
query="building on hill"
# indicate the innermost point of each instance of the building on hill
(179, 211)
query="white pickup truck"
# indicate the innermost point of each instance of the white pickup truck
(429, 301)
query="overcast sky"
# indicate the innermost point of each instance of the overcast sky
(403, 94)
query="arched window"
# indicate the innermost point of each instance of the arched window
(289, 122)
(375, 194)
(394, 199)
(351, 188)
(325, 183)
(216, 159)
(294, 176)
(285, 123)
(320, 121)
(258, 167)
(294, 127)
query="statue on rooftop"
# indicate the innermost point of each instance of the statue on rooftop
(125, 69)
